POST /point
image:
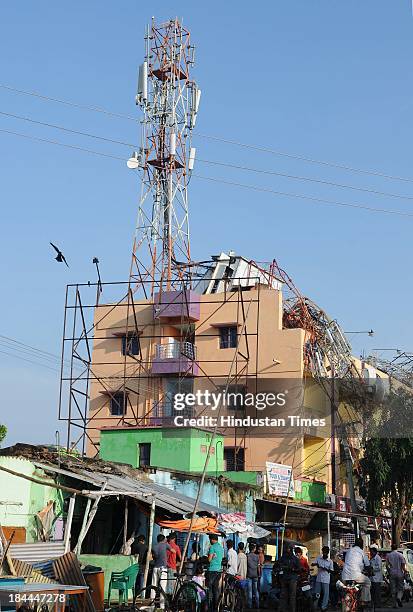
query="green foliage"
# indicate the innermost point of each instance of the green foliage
(3, 432)
(386, 466)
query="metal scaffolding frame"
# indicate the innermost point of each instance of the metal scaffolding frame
(84, 318)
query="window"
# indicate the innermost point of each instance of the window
(234, 459)
(172, 386)
(130, 345)
(145, 454)
(118, 404)
(235, 396)
(228, 337)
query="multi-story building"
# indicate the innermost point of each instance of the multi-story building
(227, 333)
(235, 329)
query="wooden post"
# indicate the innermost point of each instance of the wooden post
(125, 525)
(150, 535)
(4, 553)
(69, 521)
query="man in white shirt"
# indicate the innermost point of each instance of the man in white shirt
(355, 563)
(232, 558)
(377, 577)
(322, 584)
(242, 561)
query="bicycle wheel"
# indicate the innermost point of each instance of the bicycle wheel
(240, 600)
(186, 598)
(150, 597)
(228, 600)
(347, 602)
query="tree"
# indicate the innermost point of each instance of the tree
(3, 432)
(386, 466)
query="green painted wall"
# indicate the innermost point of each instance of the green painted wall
(243, 477)
(109, 564)
(171, 448)
(312, 492)
(20, 499)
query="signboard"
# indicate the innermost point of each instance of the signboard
(278, 477)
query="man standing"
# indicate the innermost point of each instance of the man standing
(322, 584)
(215, 556)
(355, 563)
(160, 569)
(232, 558)
(377, 576)
(172, 556)
(140, 549)
(396, 567)
(242, 562)
(253, 572)
(290, 568)
(304, 567)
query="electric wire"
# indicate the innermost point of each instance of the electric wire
(245, 145)
(61, 144)
(38, 363)
(223, 181)
(30, 351)
(304, 197)
(214, 162)
(95, 109)
(306, 179)
(65, 129)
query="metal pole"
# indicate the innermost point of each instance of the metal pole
(333, 432)
(150, 535)
(328, 531)
(125, 525)
(349, 471)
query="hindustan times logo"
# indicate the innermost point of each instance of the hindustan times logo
(223, 399)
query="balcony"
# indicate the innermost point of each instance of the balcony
(177, 305)
(175, 358)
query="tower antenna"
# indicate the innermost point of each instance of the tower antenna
(170, 101)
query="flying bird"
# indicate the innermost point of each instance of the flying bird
(59, 257)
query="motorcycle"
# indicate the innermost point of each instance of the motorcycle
(304, 594)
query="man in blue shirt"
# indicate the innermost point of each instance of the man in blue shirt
(322, 584)
(215, 556)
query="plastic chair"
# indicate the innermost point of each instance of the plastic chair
(123, 582)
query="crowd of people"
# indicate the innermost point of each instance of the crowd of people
(353, 566)
(286, 579)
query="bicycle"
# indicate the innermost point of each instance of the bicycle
(233, 598)
(184, 597)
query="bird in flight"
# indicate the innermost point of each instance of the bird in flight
(59, 257)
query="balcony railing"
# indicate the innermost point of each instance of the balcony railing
(175, 358)
(176, 350)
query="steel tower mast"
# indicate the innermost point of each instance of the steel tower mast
(169, 100)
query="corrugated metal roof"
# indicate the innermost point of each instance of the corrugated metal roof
(37, 551)
(138, 489)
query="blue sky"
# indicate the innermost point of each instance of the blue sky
(328, 80)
